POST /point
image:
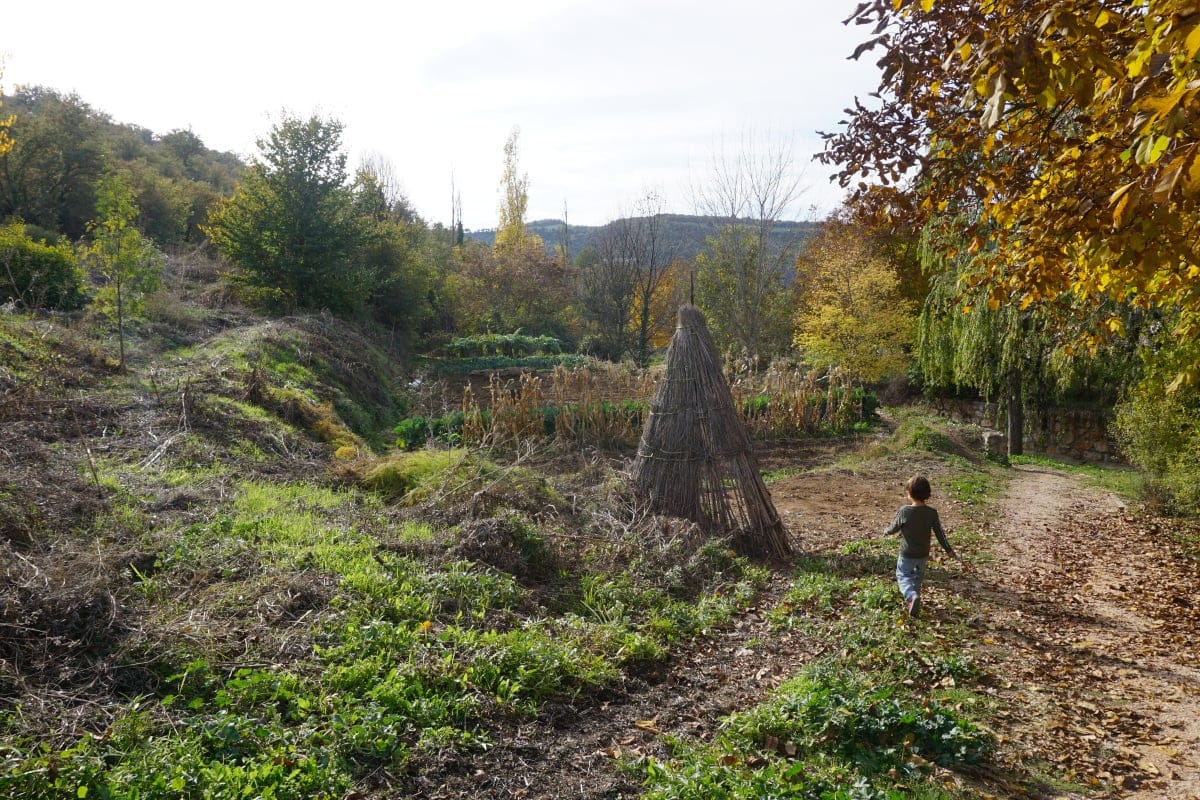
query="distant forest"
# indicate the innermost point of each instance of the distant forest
(61, 147)
(684, 234)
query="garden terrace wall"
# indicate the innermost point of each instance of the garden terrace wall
(1071, 433)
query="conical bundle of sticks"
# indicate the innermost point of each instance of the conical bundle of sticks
(695, 459)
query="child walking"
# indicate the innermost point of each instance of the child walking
(915, 522)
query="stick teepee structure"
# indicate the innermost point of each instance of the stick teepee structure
(695, 459)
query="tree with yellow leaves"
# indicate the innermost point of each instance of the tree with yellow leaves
(5, 123)
(511, 233)
(1066, 133)
(852, 313)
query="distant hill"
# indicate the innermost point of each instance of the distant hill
(686, 232)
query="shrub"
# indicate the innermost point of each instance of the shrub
(414, 432)
(512, 345)
(1159, 431)
(37, 275)
(914, 434)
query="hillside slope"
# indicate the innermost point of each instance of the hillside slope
(104, 468)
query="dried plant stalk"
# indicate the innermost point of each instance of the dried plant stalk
(605, 404)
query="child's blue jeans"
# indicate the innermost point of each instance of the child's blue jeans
(909, 574)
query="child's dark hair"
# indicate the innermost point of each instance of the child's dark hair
(918, 488)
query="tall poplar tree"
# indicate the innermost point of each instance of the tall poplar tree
(514, 197)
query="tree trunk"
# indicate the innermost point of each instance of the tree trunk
(1016, 415)
(120, 322)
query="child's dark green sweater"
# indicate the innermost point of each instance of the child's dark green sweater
(915, 524)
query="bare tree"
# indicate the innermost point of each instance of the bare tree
(654, 256)
(608, 284)
(386, 178)
(748, 192)
(564, 238)
(623, 273)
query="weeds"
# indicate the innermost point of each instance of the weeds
(409, 658)
(888, 711)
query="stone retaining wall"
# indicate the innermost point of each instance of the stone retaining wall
(1076, 434)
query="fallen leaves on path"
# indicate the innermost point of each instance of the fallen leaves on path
(1091, 622)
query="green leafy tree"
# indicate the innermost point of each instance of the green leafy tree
(164, 204)
(512, 288)
(48, 175)
(129, 264)
(852, 311)
(963, 341)
(1159, 432)
(1026, 357)
(743, 295)
(395, 252)
(292, 226)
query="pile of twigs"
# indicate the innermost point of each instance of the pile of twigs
(695, 459)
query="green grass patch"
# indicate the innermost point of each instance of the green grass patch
(972, 487)
(1122, 481)
(398, 476)
(868, 722)
(453, 476)
(776, 475)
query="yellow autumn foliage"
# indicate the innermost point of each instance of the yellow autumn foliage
(1066, 132)
(852, 313)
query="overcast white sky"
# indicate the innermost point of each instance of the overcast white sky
(613, 97)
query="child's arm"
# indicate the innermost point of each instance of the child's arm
(941, 537)
(896, 525)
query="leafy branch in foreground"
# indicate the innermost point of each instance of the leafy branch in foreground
(1064, 132)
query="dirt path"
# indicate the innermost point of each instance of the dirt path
(1095, 619)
